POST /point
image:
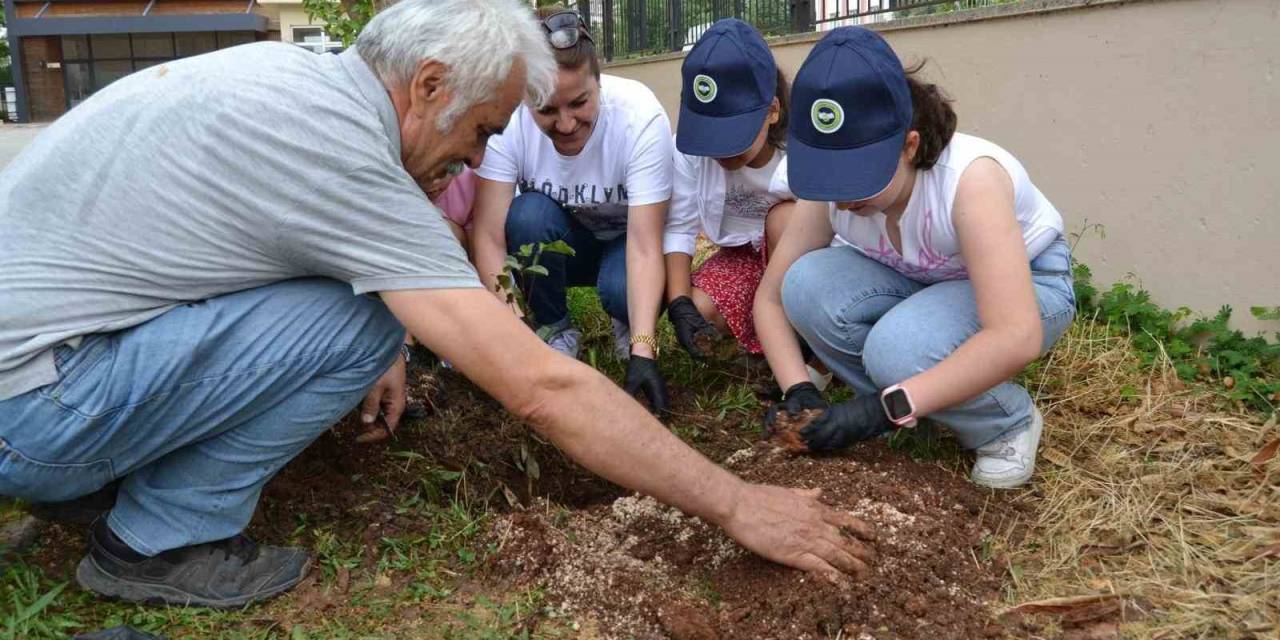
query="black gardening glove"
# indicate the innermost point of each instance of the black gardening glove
(798, 398)
(642, 375)
(846, 423)
(689, 325)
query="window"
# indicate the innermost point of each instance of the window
(92, 62)
(195, 43)
(107, 71)
(75, 47)
(114, 45)
(153, 45)
(78, 82)
(315, 39)
(233, 38)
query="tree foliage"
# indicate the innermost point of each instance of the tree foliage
(343, 19)
(4, 45)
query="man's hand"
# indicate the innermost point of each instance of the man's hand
(642, 375)
(690, 325)
(846, 423)
(799, 398)
(387, 396)
(790, 526)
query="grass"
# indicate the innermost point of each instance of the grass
(1145, 489)
(1148, 494)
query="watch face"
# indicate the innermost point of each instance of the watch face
(897, 404)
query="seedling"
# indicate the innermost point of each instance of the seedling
(519, 266)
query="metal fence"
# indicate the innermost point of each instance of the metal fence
(635, 28)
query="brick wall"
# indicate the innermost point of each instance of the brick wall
(45, 92)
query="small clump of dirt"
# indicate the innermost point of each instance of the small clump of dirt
(640, 569)
(786, 428)
(717, 346)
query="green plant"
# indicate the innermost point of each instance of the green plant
(29, 604)
(1247, 369)
(343, 19)
(489, 620)
(519, 266)
(4, 51)
(1271, 314)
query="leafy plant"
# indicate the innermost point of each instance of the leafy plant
(1247, 369)
(522, 264)
(28, 606)
(343, 19)
(1266, 313)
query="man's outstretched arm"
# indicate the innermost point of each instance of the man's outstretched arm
(588, 417)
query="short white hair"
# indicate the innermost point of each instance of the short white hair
(478, 40)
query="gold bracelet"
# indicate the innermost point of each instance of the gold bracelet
(648, 340)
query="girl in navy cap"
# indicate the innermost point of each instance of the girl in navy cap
(730, 143)
(922, 265)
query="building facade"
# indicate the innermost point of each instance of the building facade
(64, 50)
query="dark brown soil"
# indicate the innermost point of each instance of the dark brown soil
(626, 565)
(643, 570)
(468, 433)
(786, 429)
(717, 346)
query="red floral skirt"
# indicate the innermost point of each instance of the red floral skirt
(730, 278)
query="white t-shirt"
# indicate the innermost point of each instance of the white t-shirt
(626, 161)
(747, 200)
(930, 249)
(728, 207)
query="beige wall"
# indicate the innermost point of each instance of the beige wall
(1159, 120)
(284, 15)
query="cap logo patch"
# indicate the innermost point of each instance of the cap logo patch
(704, 88)
(827, 115)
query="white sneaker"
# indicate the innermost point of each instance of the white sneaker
(1009, 462)
(566, 341)
(621, 339)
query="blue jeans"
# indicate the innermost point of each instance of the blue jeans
(532, 218)
(197, 408)
(874, 327)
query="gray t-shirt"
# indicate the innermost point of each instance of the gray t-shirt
(202, 177)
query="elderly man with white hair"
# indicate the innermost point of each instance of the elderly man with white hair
(185, 260)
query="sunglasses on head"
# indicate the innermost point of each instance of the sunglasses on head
(564, 28)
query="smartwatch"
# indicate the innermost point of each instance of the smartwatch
(898, 406)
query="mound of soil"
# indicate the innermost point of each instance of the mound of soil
(786, 429)
(640, 569)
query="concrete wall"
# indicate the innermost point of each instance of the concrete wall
(1158, 120)
(284, 15)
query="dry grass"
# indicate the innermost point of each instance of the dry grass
(1147, 490)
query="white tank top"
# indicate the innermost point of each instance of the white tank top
(930, 249)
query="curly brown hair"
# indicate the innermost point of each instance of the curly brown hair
(933, 118)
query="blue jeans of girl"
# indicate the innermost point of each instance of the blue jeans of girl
(874, 327)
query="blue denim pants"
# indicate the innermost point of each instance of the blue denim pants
(197, 408)
(874, 327)
(534, 217)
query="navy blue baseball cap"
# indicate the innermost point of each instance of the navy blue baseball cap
(851, 110)
(729, 81)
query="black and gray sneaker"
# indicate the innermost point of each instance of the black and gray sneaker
(226, 574)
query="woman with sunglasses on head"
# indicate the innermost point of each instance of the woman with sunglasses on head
(730, 141)
(591, 167)
(948, 273)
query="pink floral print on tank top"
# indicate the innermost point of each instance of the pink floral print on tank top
(929, 265)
